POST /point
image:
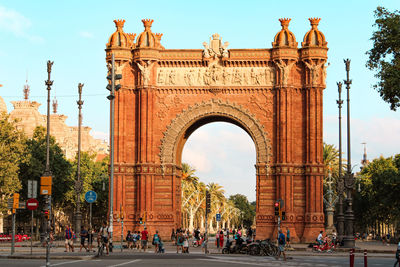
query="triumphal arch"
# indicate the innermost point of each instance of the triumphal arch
(274, 94)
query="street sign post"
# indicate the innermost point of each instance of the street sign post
(32, 189)
(218, 217)
(90, 197)
(32, 204)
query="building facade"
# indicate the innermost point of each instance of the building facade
(274, 94)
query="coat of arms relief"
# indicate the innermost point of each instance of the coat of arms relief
(215, 74)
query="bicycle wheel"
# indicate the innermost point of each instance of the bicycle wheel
(225, 251)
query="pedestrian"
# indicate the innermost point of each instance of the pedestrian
(90, 239)
(156, 241)
(179, 241)
(217, 241)
(221, 239)
(173, 236)
(129, 239)
(281, 242)
(287, 237)
(320, 238)
(144, 237)
(69, 242)
(105, 236)
(83, 234)
(137, 240)
(334, 237)
(186, 243)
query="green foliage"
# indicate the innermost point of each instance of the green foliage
(34, 167)
(384, 57)
(12, 154)
(380, 187)
(92, 174)
(247, 209)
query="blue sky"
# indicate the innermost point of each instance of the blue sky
(73, 34)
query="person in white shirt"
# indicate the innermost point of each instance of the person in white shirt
(320, 238)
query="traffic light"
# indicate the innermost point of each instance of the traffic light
(276, 205)
(283, 216)
(46, 214)
(141, 220)
(112, 80)
(208, 202)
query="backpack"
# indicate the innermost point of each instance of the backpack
(181, 239)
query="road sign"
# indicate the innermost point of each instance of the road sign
(218, 217)
(16, 201)
(21, 205)
(32, 204)
(32, 189)
(45, 185)
(90, 196)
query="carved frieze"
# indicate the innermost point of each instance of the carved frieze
(216, 75)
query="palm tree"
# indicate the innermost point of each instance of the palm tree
(217, 201)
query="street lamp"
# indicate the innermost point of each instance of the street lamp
(78, 184)
(348, 240)
(47, 172)
(340, 185)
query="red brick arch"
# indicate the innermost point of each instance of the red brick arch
(214, 110)
(274, 94)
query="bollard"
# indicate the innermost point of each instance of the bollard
(365, 258)
(352, 257)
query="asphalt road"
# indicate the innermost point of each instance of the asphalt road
(200, 260)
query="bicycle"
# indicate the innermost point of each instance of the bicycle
(101, 248)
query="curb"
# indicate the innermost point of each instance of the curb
(43, 257)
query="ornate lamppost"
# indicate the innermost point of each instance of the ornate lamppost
(78, 184)
(330, 200)
(47, 172)
(340, 183)
(348, 240)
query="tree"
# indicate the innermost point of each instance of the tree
(12, 154)
(34, 167)
(378, 200)
(384, 57)
(92, 174)
(247, 211)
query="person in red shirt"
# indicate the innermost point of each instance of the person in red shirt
(144, 238)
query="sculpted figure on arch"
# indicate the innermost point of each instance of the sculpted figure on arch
(145, 70)
(285, 70)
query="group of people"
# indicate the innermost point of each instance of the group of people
(139, 240)
(180, 238)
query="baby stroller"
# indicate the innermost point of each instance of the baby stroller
(161, 248)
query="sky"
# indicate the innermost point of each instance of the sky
(73, 34)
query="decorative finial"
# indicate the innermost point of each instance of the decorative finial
(314, 22)
(55, 105)
(147, 23)
(159, 35)
(49, 65)
(119, 23)
(80, 85)
(347, 62)
(215, 36)
(285, 22)
(26, 90)
(339, 85)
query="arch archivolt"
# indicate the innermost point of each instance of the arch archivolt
(217, 108)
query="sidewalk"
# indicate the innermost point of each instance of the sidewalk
(374, 249)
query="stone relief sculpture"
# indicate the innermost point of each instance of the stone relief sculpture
(145, 70)
(285, 70)
(216, 75)
(324, 67)
(215, 48)
(314, 71)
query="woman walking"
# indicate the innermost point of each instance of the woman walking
(156, 241)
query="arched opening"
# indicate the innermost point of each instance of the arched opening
(223, 155)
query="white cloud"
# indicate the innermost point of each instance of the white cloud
(13, 22)
(86, 34)
(100, 135)
(382, 136)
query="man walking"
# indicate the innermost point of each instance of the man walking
(105, 235)
(281, 242)
(144, 238)
(69, 242)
